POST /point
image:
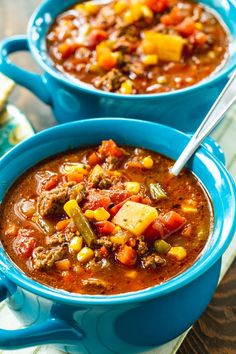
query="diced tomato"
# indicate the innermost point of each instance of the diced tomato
(127, 255)
(104, 227)
(104, 252)
(173, 221)
(68, 277)
(97, 199)
(186, 27)
(158, 6)
(95, 37)
(118, 195)
(199, 39)
(94, 159)
(51, 183)
(107, 60)
(109, 148)
(155, 231)
(173, 18)
(23, 244)
(114, 210)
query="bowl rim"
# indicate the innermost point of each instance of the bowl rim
(213, 79)
(13, 273)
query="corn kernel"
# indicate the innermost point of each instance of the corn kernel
(89, 214)
(85, 254)
(188, 209)
(76, 243)
(79, 7)
(116, 229)
(211, 54)
(162, 80)
(100, 214)
(75, 167)
(147, 12)
(178, 252)
(115, 173)
(120, 6)
(64, 264)
(147, 162)
(128, 17)
(127, 87)
(136, 11)
(132, 274)
(91, 8)
(132, 187)
(199, 26)
(150, 59)
(120, 238)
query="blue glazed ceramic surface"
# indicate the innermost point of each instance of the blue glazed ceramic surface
(127, 323)
(72, 100)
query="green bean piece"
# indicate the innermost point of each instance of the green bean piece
(162, 246)
(75, 213)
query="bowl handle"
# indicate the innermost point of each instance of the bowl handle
(213, 147)
(51, 331)
(34, 82)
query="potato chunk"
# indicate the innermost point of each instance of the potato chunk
(135, 217)
(167, 47)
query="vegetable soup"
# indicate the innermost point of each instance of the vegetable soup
(138, 46)
(105, 220)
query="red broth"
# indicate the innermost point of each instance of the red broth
(138, 46)
(105, 220)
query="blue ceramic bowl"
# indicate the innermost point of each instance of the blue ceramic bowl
(128, 323)
(72, 100)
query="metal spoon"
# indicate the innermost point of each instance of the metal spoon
(213, 118)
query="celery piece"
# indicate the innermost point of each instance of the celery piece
(157, 192)
(75, 213)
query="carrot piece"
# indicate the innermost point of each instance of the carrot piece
(63, 264)
(51, 183)
(67, 49)
(75, 177)
(107, 60)
(11, 230)
(94, 159)
(62, 224)
(127, 255)
(186, 27)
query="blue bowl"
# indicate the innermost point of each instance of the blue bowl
(127, 323)
(72, 100)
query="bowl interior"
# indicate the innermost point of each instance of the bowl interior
(44, 16)
(152, 136)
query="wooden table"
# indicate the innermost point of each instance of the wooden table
(215, 331)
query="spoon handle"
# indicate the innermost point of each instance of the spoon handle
(213, 118)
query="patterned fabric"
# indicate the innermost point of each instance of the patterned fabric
(225, 136)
